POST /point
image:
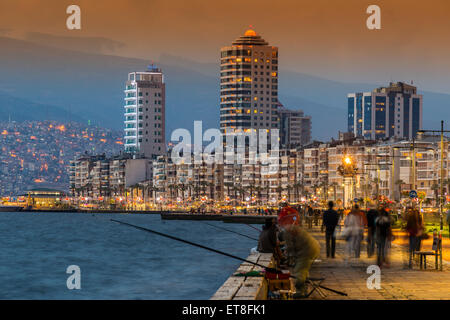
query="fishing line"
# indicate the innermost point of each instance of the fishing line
(243, 235)
(273, 270)
(196, 245)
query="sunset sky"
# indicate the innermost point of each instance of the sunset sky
(327, 38)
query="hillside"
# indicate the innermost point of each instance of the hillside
(91, 85)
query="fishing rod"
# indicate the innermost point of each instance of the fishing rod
(253, 227)
(211, 225)
(273, 270)
(197, 245)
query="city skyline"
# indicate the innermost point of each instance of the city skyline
(310, 133)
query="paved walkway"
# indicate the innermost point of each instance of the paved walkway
(397, 282)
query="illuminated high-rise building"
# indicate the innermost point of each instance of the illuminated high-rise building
(248, 85)
(145, 113)
(393, 111)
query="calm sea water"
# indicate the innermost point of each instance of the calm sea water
(116, 262)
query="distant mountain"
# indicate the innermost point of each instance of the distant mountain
(18, 109)
(91, 86)
(99, 45)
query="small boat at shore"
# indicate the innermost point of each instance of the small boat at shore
(5, 208)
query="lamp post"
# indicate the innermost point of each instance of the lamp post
(441, 200)
(412, 148)
(347, 170)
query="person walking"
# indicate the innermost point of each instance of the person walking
(330, 221)
(309, 216)
(414, 228)
(354, 231)
(448, 222)
(383, 236)
(316, 217)
(372, 215)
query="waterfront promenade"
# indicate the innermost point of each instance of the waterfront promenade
(397, 282)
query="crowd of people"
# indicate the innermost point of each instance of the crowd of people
(287, 237)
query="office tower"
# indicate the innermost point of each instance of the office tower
(248, 85)
(145, 113)
(394, 111)
(295, 128)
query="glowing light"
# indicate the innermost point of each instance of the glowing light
(250, 33)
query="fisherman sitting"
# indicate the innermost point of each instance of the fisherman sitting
(301, 247)
(268, 242)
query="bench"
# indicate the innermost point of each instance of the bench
(436, 252)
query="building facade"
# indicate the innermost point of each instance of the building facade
(99, 177)
(393, 111)
(248, 85)
(145, 113)
(295, 128)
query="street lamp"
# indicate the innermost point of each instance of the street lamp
(441, 200)
(347, 169)
(442, 170)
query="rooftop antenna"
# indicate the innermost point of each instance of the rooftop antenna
(151, 67)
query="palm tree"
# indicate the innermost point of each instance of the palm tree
(297, 187)
(315, 187)
(447, 182)
(324, 186)
(211, 190)
(229, 185)
(203, 185)
(190, 187)
(268, 191)
(435, 187)
(258, 190)
(148, 189)
(377, 184)
(279, 191)
(306, 193)
(171, 188)
(399, 186)
(289, 187)
(182, 187)
(251, 188)
(334, 186)
(196, 188)
(241, 190)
